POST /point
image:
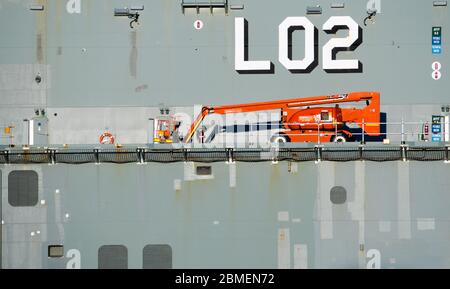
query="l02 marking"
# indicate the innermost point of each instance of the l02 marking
(330, 64)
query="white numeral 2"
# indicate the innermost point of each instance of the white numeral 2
(334, 45)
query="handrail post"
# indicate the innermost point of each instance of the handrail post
(96, 156)
(363, 132)
(318, 150)
(6, 154)
(318, 133)
(404, 149)
(51, 156)
(140, 155)
(185, 155)
(230, 156)
(335, 129)
(403, 132)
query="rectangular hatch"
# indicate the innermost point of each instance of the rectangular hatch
(211, 4)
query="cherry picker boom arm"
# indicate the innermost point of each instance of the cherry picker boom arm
(369, 114)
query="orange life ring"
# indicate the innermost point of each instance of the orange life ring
(107, 138)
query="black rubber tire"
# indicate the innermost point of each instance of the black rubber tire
(339, 138)
(279, 139)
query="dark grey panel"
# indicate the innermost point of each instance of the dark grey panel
(113, 257)
(204, 170)
(157, 257)
(55, 251)
(338, 195)
(22, 188)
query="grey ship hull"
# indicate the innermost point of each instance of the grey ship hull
(97, 73)
(266, 218)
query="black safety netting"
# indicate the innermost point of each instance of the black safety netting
(164, 156)
(303, 155)
(207, 155)
(119, 156)
(28, 157)
(3, 158)
(427, 154)
(255, 155)
(75, 156)
(382, 154)
(341, 154)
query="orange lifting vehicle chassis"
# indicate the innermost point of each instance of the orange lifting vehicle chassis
(304, 120)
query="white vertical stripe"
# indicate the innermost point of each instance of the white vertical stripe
(300, 256)
(446, 128)
(404, 213)
(326, 180)
(177, 185)
(284, 253)
(356, 208)
(30, 132)
(58, 216)
(232, 168)
(189, 169)
(293, 167)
